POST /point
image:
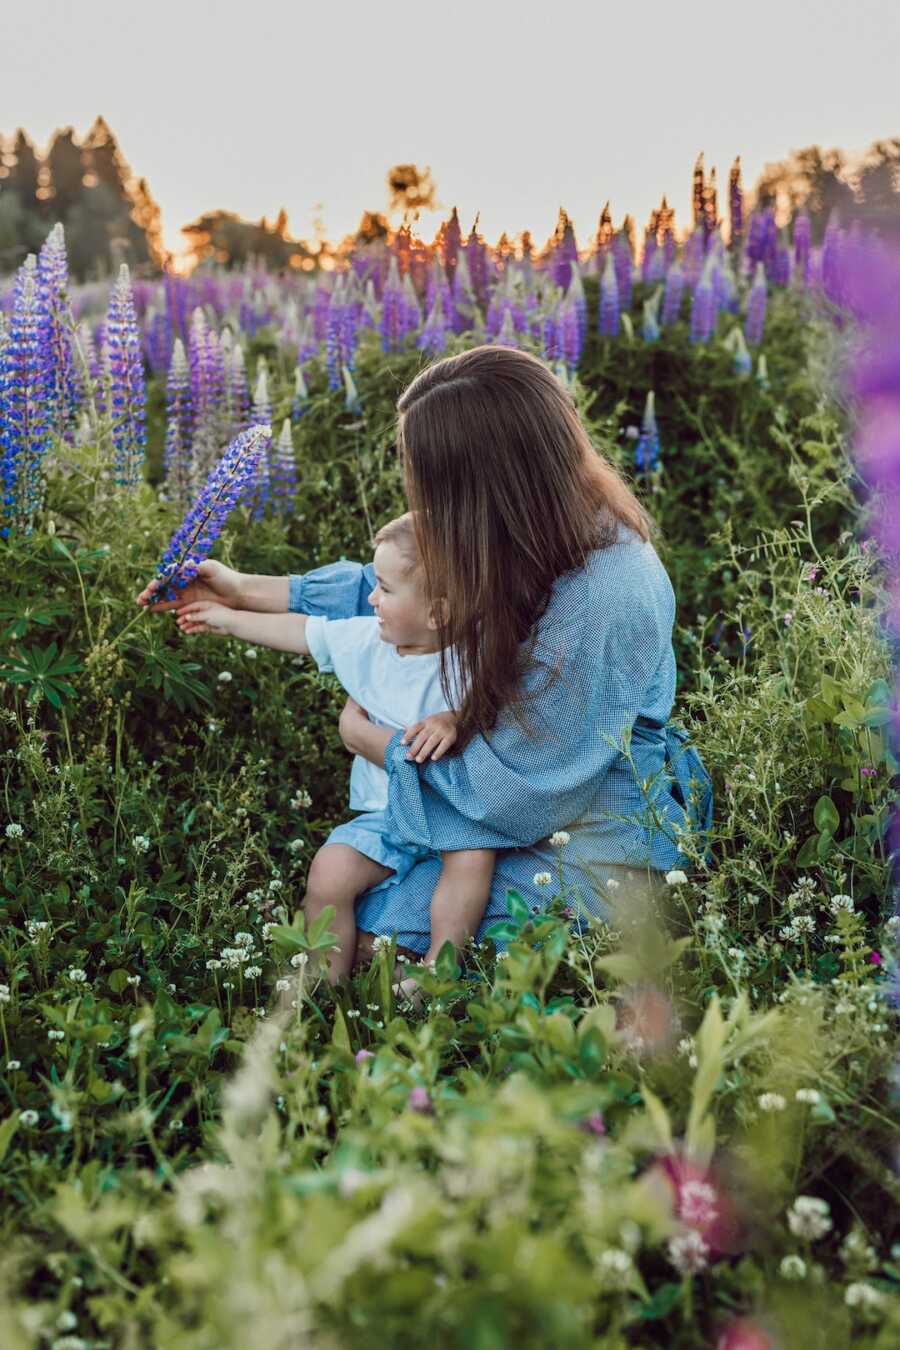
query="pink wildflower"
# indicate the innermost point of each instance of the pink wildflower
(593, 1124)
(875, 958)
(420, 1101)
(362, 1055)
(745, 1335)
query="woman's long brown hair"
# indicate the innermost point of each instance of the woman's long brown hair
(508, 494)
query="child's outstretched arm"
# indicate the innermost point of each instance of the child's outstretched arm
(284, 632)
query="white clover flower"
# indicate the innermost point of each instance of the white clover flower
(243, 939)
(282, 985)
(502, 956)
(225, 677)
(301, 800)
(34, 927)
(296, 845)
(689, 1253)
(612, 884)
(862, 1295)
(133, 979)
(14, 831)
(259, 1012)
(299, 959)
(809, 1217)
(214, 964)
(542, 878)
(808, 1095)
(77, 975)
(353, 1012)
(253, 972)
(66, 1320)
(12, 1065)
(28, 1117)
(380, 940)
(266, 930)
(615, 1263)
(839, 902)
(5, 995)
(276, 884)
(250, 653)
(804, 923)
(140, 843)
(676, 878)
(559, 838)
(56, 1035)
(792, 1268)
(771, 1101)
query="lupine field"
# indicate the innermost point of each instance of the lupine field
(679, 1130)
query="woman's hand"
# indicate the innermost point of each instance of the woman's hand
(362, 737)
(205, 616)
(215, 582)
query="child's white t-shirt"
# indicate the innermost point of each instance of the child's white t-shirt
(395, 690)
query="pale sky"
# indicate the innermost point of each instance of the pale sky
(250, 107)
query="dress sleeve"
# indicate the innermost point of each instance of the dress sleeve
(511, 790)
(338, 591)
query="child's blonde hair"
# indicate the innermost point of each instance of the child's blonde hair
(401, 533)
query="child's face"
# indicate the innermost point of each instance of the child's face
(403, 613)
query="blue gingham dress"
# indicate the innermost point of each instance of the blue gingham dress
(604, 763)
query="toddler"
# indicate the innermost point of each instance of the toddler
(390, 664)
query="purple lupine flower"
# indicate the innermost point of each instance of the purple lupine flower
(158, 340)
(550, 335)
(756, 308)
(569, 340)
(703, 306)
(802, 246)
(25, 431)
(649, 256)
(624, 265)
(391, 325)
(237, 392)
(646, 452)
(609, 300)
(127, 389)
(61, 382)
(207, 392)
(465, 304)
(333, 332)
(450, 245)
(411, 310)
(476, 257)
(178, 476)
(832, 272)
(300, 402)
(308, 346)
(781, 267)
(576, 293)
(284, 472)
(565, 254)
(694, 257)
(433, 337)
(224, 488)
(672, 297)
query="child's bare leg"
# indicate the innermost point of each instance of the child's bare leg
(338, 876)
(460, 897)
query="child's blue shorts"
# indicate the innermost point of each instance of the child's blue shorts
(369, 835)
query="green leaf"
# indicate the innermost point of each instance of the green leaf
(517, 906)
(7, 1130)
(504, 931)
(340, 1035)
(117, 980)
(825, 815)
(807, 854)
(665, 1298)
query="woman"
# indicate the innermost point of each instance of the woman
(561, 615)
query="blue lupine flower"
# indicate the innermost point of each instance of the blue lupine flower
(209, 418)
(392, 330)
(550, 335)
(694, 257)
(284, 472)
(569, 342)
(308, 347)
(756, 308)
(743, 361)
(61, 382)
(781, 267)
(224, 488)
(127, 389)
(300, 403)
(624, 265)
(352, 400)
(333, 331)
(650, 329)
(579, 300)
(703, 306)
(476, 256)
(609, 300)
(672, 297)
(646, 452)
(433, 337)
(25, 432)
(178, 395)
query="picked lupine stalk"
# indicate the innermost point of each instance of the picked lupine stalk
(609, 299)
(126, 378)
(756, 308)
(225, 487)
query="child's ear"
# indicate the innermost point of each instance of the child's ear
(439, 608)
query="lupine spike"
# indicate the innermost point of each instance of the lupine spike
(802, 246)
(743, 361)
(225, 487)
(433, 337)
(391, 325)
(756, 308)
(261, 415)
(703, 306)
(650, 329)
(126, 373)
(284, 472)
(646, 452)
(178, 396)
(609, 299)
(352, 401)
(300, 403)
(62, 386)
(25, 432)
(238, 391)
(673, 293)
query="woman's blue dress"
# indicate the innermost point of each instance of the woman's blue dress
(607, 630)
